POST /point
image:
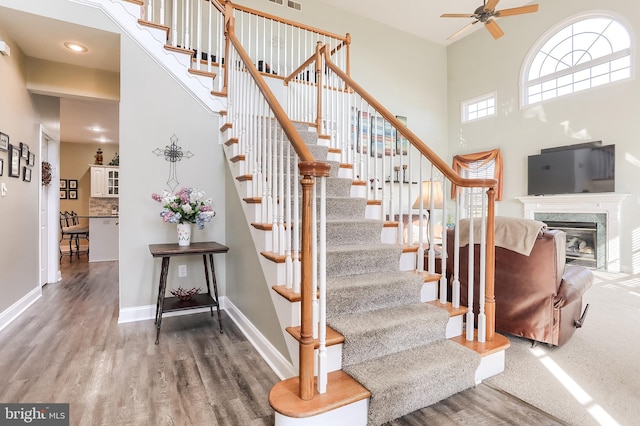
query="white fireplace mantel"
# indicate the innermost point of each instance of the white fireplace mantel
(607, 203)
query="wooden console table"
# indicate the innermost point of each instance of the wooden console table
(172, 304)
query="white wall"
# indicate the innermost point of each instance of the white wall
(478, 64)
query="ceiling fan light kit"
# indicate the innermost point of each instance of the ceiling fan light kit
(487, 14)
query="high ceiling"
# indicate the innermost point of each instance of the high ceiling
(420, 17)
(43, 38)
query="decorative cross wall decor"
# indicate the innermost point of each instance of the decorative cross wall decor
(173, 153)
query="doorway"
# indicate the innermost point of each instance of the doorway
(49, 206)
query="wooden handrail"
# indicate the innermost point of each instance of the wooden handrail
(305, 64)
(318, 59)
(413, 139)
(288, 22)
(281, 116)
(217, 5)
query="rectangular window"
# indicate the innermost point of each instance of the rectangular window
(472, 198)
(480, 107)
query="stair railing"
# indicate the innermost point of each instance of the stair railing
(269, 144)
(392, 162)
(274, 44)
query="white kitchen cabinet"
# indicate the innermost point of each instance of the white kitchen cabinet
(103, 239)
(105, 181)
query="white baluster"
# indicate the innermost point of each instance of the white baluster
(470, 281)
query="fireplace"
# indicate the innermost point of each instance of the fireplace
(602, 209)
(582, 242)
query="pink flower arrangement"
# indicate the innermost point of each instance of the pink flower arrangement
(186, 205)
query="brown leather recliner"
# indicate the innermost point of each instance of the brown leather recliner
(538, 297)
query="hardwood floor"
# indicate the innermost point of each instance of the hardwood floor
(68, 347)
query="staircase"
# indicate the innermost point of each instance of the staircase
(392, 343)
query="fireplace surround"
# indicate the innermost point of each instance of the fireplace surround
(602, 208)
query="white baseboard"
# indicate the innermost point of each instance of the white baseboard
(148, 312)
(278, 363)
(19, 307)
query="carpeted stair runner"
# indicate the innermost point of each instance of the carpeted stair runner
(394, 345)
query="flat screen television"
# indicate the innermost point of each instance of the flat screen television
(573, 169)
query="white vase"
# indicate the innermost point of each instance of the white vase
(184, 234)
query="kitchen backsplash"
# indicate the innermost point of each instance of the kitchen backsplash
(103, 206)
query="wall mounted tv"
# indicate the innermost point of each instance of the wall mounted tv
(572, 169)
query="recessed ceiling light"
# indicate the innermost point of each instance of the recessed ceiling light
(95, 129)
(78, 48)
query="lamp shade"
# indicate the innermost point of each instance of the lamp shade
(426, 195)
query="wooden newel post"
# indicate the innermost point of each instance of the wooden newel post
(318, 60)
(306, 315)
(490, 271)
(309, 170)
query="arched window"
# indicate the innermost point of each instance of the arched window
(586, 53)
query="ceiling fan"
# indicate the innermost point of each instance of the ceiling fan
(487, 14)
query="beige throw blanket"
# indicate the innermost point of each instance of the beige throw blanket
(512, 233)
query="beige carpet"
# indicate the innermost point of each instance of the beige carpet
(594, 379)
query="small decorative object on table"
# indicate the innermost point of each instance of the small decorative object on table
(183, 294)
(185, 207)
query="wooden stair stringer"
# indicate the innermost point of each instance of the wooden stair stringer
(153, 38)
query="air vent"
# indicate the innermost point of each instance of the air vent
(276, 1)
(294, 5)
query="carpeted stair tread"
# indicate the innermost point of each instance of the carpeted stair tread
(381, 332)
(406, 381)
(339, 187)
(353, 294)
(342, 207)
(353, 231)
(360, 259)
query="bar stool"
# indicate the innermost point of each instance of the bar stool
(72, 231)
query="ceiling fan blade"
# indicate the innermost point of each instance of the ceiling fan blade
(491, 5)
(456, 15)
(516, 11)
(494, 29)
(465, 28)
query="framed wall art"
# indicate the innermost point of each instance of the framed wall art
(402, 143)
(72, 184)
(14, 161)
(63, 184)
(381, 136)
(26, 174)
(32, 159)
(4, 142)
(24, 150)
(73, 194)
(63, 194)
